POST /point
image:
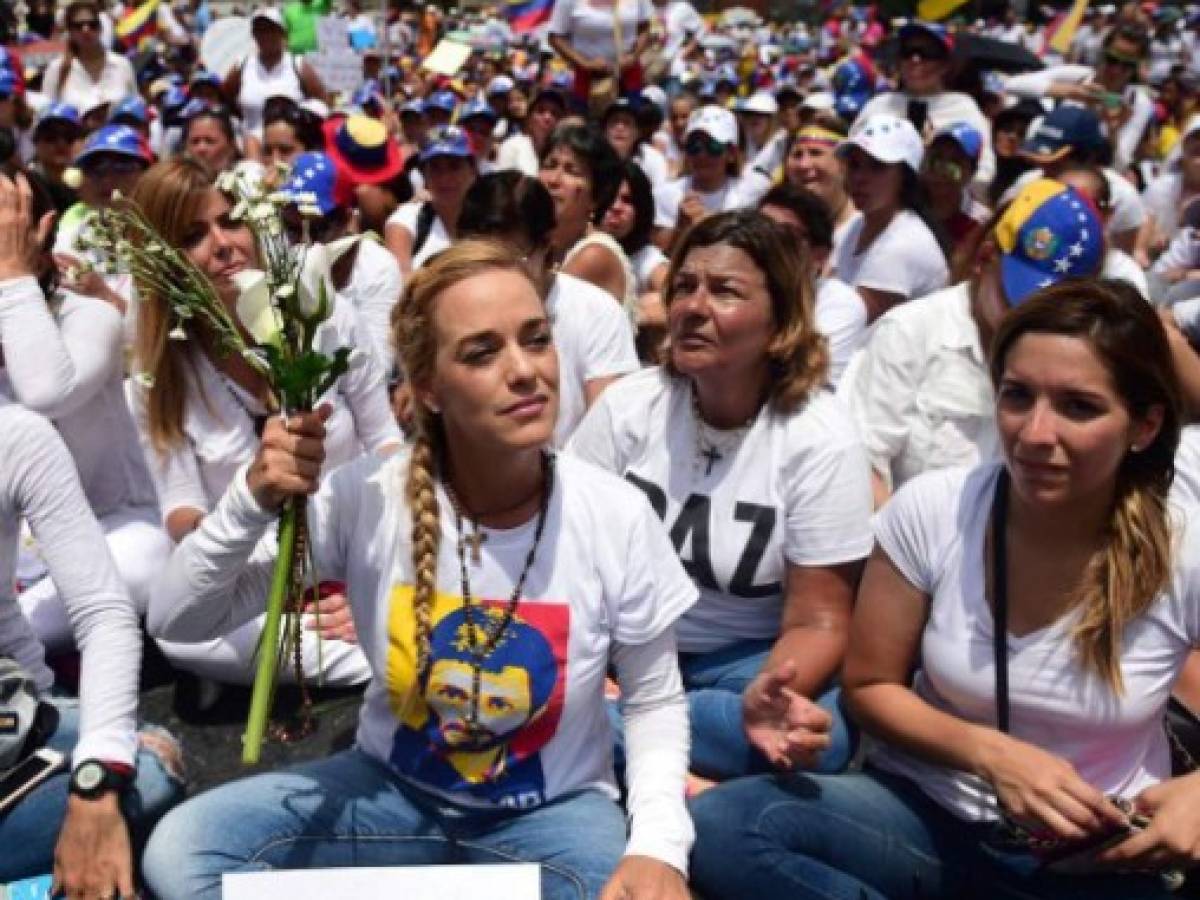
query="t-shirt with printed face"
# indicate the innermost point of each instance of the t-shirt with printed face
(793, 489)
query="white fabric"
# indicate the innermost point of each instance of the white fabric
(920, 391)
(795, 490)
(438, 239)
(604, 576)
(260, 84)
(652, 163)
(645, 263)
(733, 194)
(1162, 200)
(905, 258)
(1185, 489)
(841, 316)
(374, 288)
(38, 483)
(517, 152)
(594, 340)
(1120, 265)
(943, 109)
(589, 29)
(116, 82)
(681, 23)
(597, 238)
(934, 530)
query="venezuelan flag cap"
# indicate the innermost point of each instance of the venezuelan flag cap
(1050, 232)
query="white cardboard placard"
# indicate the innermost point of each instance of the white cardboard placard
(512, 882)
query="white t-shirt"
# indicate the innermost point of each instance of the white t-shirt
(589, 28)
(933, 530)
(668, 195)
(920, 391)
(1185, 489)
(374, 288)
(1128, 212)
(603, 578)
(116, 82)
(517, 152)
(842, 317)
(1162, 200)
(645, 262)
(795, 489)
(905, 258)
(652, 163)
(1120, 265)
(406, 217)
(593, 338)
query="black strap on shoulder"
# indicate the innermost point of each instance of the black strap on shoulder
(425, 217)
(1000, 597)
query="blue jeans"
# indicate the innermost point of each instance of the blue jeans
(350, 810)
(715, 683)
(866, 836)
(29, 832)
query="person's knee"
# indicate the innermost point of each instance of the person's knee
(161, 778)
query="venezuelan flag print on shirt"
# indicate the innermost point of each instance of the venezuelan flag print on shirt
(497, 759)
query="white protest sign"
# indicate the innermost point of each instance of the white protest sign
(447, 57)
(512, 882)
(336, 62)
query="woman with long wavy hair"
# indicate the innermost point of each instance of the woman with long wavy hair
(1046, 603)
(87, 75)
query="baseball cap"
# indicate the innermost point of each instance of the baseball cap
(120, 140)
(968, 138)
(313, 173)
(59, 112)
(1049, 232)
(413, 108)
(932, 29)
(714, 121)
(446, 101)
(501, 84)
(762, 103)
(1066, 128)
(131, 108)
(477, 108)
(268, 14)
(888, 139)
(446, 142)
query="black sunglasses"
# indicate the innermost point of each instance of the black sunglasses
(702, 143)
(84, 25)
(1114, 59)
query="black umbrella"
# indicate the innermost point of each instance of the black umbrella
(982, 53)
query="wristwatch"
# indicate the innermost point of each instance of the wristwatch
(92, 778)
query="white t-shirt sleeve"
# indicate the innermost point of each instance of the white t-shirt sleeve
(667, 198)
(609, 349)
(829, 498)
(405, 216)
(595, 438)
(1128, 212)
(910, 526)
(560, 17)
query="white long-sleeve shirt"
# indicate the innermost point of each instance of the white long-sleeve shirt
(67, 364)
(374, 288)
(38, 483)
(218, 429)
(605, 585)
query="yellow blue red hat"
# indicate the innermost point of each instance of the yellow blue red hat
(1049, 233)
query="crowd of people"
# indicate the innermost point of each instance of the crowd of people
(767, 468)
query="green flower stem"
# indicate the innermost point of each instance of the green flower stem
(268, 648)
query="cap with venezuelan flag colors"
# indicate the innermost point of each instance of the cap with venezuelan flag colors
(1050, 232)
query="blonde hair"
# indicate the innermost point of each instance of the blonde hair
(798, 354)
(415, 337)
(1134, 565)
(169, 195)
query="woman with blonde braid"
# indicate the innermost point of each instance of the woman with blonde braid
(492, 585)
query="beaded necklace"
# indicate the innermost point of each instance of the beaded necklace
(480, 650)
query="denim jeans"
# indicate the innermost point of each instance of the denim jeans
(351, 810)
(29, 831)
(866, 836)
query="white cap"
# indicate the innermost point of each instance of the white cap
(501, 84)
(316, 107)
(820, 101)
(656, 95)
(888, 139)
(761, 102)
(715, 121)
(271, 14)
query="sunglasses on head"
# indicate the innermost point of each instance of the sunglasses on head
(703, 143)
(84, 25)
(921, 53)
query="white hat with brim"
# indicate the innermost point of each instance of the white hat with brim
(888, 139)
(761, 103)
(715, 121)
(268, 14)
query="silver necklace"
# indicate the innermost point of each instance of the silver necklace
(714, 445)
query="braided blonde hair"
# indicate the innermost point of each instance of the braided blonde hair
(415, 336)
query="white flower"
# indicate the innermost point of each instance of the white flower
(280, 198)
(316, 284)
(144, 379)
(309, 211)
(182, 312)
(155, 248)
(239, 211)
(286, 292)
(72, 178)
(177, 334)
(261, 211)
(117, 196)
(255, 310)
(227, 182)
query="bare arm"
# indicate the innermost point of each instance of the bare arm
(600, 266)
(400, 242)
(816, 623)
(564, 48)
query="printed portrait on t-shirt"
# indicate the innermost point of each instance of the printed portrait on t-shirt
(481, 735)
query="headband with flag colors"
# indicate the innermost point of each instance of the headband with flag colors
(526, 15)
(814, 134)
(1050, 232)
(138, 24)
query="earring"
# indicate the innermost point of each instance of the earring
(1134, 448)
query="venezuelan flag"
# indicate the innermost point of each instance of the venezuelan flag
(526, 15)
(139, 24)
(1061, 32)
(936, 10)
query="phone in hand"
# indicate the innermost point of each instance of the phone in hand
(25, 776)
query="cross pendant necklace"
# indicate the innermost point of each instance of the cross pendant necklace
(475, 539)
(713, 458)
